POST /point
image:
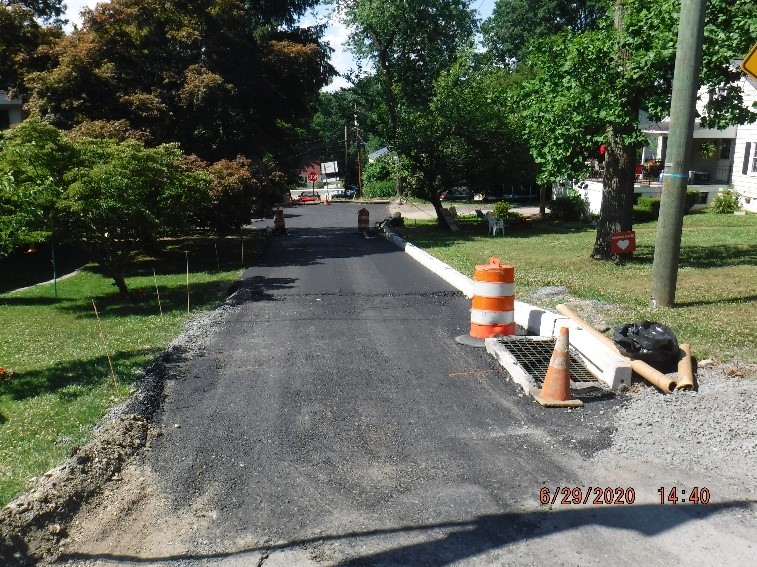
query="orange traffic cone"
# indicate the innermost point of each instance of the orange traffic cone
(555, 392)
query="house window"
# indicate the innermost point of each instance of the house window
(725, 149)
(5, 118)
(753, 169)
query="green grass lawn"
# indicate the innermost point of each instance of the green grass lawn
(62, 384)
(716, 298)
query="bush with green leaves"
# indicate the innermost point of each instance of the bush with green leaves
(379, 170)
(502, 211)
(34, 158)
(726, 203)
(569, 207)
(692, 198)
(646, 209)
(379, 189)
(114, 195)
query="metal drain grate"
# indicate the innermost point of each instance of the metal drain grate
(533, 355)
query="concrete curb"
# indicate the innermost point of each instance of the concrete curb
(534, 319)
(609, 367)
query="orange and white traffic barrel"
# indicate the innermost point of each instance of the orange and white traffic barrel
(363, 219)
(278, 220)
(493, 306)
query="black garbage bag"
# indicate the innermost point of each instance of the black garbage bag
(652, 342)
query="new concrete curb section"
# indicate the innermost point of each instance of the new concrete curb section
(607, 366)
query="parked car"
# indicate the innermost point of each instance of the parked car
(309, 197)
(348, 193)
(457, 194)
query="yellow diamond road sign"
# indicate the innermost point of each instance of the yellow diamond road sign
(749, 64)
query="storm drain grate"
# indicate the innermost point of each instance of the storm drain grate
(533, 355)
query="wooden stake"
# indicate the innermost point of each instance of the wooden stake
(157, 291)
(241, 239)
(187, 255)
(104, 344)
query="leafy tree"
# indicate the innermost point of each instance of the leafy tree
(468, 133)
(239, 189)
(45, 9)
(514, 23)
(380, 170)
(24, 45)
(221, 77)
(587, 88)
(337, 110)
(409, 42)
(122, 194)
(109, 197)
(34, 158)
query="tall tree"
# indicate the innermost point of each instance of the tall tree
(468, 134)
(514, 23)
(222, 77)
(24, 46)
(587, 89)
(409, 42)
(335, 111)
(47, 10)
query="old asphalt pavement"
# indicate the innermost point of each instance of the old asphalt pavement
(333, 420)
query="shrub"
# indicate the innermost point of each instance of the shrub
(646, 209)
(692, 198)
(569, 207)
(379, 170)
(726, 203)
(502, 211)
(379, 189)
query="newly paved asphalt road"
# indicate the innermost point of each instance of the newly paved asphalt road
(334, 420)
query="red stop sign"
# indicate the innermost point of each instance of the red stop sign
(312, 177)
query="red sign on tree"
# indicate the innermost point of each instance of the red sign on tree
(623, 242)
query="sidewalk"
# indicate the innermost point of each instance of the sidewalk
(426, 210)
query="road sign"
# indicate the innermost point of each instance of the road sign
(312, 177)
(749, 64)
(622, 242)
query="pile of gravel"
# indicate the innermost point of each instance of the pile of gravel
(197, 332)
(711, 429)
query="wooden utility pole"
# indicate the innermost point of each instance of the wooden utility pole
(346, 159)
(358, 141)
(682, 114)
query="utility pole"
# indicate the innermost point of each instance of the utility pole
(346, 160)
(682, 114)
(358, 141)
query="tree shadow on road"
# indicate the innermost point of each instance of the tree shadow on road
(446, 543)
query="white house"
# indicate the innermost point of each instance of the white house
(10, 111)
(719, 158)
(744, 176)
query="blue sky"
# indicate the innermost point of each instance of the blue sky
(336, 34)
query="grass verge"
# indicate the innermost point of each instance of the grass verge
(716, 298)
(62, 386)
